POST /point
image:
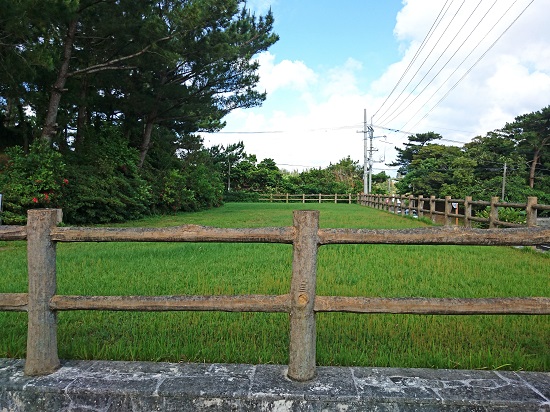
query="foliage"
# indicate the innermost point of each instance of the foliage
(505, 214)
(148, 74)
(531, 133)
(33, 180)
(106, 183)
(416, 142)
(513, 159)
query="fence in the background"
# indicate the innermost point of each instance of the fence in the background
(42, 302)
(308, 198)
(454, 210)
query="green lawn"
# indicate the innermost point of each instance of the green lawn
(508, 342)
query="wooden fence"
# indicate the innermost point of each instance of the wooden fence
(308, 198)
(453, 210)
(42, 303)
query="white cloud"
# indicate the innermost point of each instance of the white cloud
(293, 74)
(511, 79)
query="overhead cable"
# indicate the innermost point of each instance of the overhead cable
(414, 59)
(426, 39)
(384, 117)
(472, 66)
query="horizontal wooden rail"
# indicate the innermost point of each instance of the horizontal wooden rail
(14, 302)
(242, 303)
(438, 236)
(434, 306)
(282, 303)
(13, 232)
(187, 233)
(308, 198)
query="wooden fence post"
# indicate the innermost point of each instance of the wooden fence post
(448, 210)
(349, 198)
(432, 208)
(302, 353)
(530, 211)
(493, 214)
(420, 205)
(468, 212)
(42, 357)
(303, 198)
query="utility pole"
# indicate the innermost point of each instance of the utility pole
(367, 154)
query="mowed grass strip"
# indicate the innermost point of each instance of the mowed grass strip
(492, 342)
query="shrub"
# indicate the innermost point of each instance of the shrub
(106, 185)
(31, 180)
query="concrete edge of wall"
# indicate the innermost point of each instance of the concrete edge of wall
(149, 386)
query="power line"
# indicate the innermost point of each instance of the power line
(430, 69)
(426, 39)
(390, 115)
(475, 63)
(448, 60)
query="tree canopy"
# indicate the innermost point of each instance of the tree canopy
(128, 81)
(514, 159)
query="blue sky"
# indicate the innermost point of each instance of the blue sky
(336, 58)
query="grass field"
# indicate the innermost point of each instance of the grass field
(492, 342)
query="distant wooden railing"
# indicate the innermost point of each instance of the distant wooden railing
(42, 302)
(308, 198)
(453, 209)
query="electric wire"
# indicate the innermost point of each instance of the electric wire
(386, 118)
(446, 63)
(475, 63)
(444, 83)
(422, 45)
(421, 64)
(383, 119)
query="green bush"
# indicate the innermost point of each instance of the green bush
(505, 214)
(106, 185)
(31, 180)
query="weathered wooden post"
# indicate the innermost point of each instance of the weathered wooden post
(42, 357)
(531, 211)
(420, 205)
(448, 211)
(349, 198)
(468, 212)
(432, 208)
(493, 214)
(302, 353)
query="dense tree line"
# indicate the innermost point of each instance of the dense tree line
(515, 158)
(101, 102)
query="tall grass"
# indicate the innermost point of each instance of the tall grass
(508, 342)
